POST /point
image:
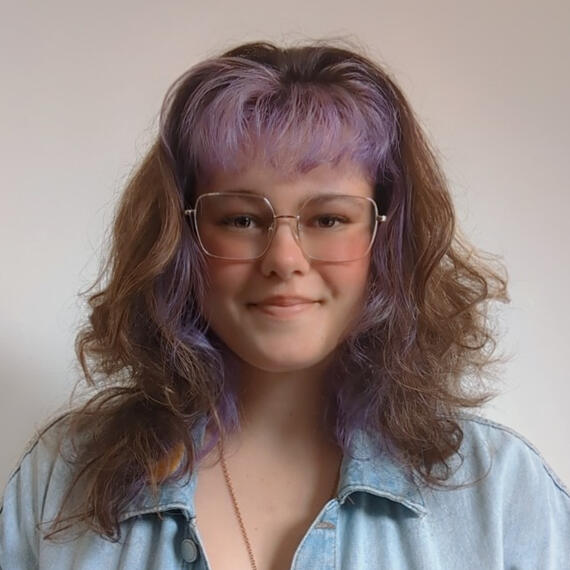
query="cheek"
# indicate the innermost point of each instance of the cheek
(225, 281)
(348, 281)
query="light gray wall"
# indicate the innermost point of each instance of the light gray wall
(81, 87)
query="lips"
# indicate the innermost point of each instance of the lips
(283, 306)
(285, 301)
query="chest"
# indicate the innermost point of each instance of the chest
(275, 513)
(365, 532)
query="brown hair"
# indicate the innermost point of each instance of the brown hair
(423, 339)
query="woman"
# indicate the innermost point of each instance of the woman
(285, 338)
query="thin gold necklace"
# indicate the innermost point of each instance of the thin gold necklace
(237, 509)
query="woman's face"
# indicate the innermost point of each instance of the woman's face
(285, 312)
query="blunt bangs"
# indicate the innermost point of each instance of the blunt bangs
(242, 109)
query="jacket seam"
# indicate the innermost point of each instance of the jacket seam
(475, 418)
(29, 447)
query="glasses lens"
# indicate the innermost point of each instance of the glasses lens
(233, 226)
(331, 228)
(337, 228)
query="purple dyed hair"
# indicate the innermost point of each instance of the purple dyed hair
(422, 341)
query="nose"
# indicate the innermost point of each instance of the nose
(284, 256)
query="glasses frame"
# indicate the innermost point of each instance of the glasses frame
(192, 214)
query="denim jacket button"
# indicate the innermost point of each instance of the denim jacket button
(189, 550)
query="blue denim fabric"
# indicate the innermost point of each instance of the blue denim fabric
(513, 514)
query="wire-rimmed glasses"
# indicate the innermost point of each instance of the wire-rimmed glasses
(240, 226)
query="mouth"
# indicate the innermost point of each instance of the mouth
(284, 307)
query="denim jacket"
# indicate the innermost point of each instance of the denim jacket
(509, 512)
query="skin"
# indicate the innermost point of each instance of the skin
(282, 355)
(283, 352)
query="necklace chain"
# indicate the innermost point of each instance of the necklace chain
(230, 487)
(237, 510)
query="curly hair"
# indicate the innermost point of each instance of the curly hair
(422, 342)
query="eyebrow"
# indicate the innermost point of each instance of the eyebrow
(241, 191)
(329, 192)
(300, 200)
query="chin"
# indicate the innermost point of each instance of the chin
(290, 361)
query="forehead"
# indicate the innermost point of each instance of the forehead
(264, 179)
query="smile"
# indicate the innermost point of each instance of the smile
(284, 311)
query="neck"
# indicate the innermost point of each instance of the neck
(283, 408)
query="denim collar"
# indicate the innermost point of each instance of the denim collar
(363, 469)
(367, 468)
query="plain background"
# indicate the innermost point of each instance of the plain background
(82, 84)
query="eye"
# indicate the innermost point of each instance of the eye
(241, 222)
(328, 221)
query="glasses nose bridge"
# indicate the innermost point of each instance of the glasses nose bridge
(294, 227)
(288, 217)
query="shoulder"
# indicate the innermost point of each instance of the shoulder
(34, 494)
(504, 452)
(46, 444)
(40, 478)
(503, 481)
